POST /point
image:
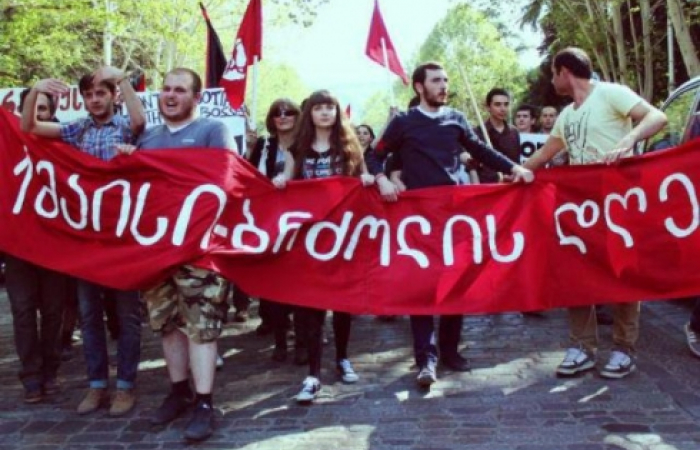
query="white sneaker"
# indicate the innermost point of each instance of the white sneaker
(576, 360)
(619, 365)
(310, 388)
(692, 338)
(347, 373)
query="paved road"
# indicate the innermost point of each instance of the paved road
(510, 401)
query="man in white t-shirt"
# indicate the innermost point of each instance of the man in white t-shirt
(597, 126)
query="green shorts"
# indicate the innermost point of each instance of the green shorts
(192, 300)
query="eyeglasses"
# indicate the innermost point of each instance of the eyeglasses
(284, 113)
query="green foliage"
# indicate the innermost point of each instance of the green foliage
(65, 38)
(465, 42)
(275, 81)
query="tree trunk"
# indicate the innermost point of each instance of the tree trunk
(648, 83)
(619, 42)
(685, 42)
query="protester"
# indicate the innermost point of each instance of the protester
(37, 299)
(526, 119)
(548, 116)
(269, 154)
(98, 135)
(188, 308)
(325, 146)
(427, 153)
(597, 126)
(502, 136)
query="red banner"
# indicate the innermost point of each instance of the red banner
(577, 235)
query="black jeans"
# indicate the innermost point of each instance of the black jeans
(695, 316)
(37, 298)
(312, 320)
(425, 348)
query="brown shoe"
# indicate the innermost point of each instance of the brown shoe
(94, 399)
(123, 402)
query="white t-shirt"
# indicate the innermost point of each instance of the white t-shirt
(597, 125)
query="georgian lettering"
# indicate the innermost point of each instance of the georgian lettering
(424, 228)
(642, 206)
(580, 211)
(518, 242)
(161, 222)
(82, 222)
(448, 240)
(183, 219)
(374, 226)
(249, 227)
(123, 219)
(670, 223)
(26, 166)
(286, 228)
(339, 232)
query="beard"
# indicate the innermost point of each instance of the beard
(434, 100)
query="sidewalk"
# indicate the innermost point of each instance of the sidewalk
(510, 401)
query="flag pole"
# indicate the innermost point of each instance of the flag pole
(472, 173)
(385, 54)
(254, 104)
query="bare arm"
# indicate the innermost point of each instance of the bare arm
(28, 122)
(133, 104)
(649, 121)
(548, 151)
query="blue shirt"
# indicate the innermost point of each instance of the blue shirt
(98, 139)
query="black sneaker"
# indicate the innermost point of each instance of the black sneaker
(172, 407)
(33, 393)
(201, 425)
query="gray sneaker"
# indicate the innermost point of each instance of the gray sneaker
(619, 365)
(692, 338)
(426, 376)
(575, 361)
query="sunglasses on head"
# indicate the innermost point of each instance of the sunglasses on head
(284, 113)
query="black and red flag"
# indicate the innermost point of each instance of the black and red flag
(246, 49)
(216, 58)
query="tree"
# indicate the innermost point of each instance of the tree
(42, 38)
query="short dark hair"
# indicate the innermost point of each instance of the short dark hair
(421, 72)
(494, 92)
(87, 82)
(531, 109)
(51, 101)
(575, 60)
(196, 79)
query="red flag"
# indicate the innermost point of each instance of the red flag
(138, 81)
(377, 32)
(348, 111)
(248, 45)
(216, 59)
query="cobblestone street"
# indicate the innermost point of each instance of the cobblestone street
(510, 401)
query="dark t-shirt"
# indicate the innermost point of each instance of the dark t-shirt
(320, 165)
(426, 147)
(507, 142)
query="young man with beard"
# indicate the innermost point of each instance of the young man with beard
(98, 135)
(428, 143)
(603, 123)
(188, 308)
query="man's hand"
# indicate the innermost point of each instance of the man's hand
(622, 149)
(51, 86)
(395, 177)
(388, 190)
(522, 175)
(125, 149)
(108, 73)
(280, 181)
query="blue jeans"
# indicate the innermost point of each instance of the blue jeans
(425, 344)
(91, 298)
(695, 316)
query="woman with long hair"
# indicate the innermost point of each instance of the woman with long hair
(366, 136)
(269, 154)
(325, 146)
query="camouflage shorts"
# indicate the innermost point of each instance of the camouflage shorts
(192, 300)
